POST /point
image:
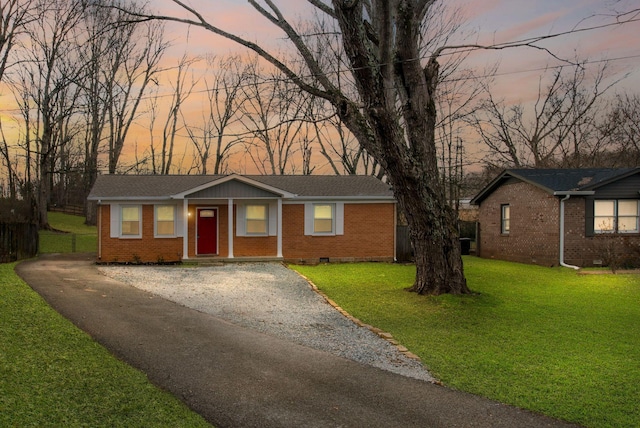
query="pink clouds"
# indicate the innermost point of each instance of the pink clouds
(536, 26)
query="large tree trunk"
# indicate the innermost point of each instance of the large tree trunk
(396, 125)
(434, 236)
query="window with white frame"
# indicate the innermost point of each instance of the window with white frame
(505, 219)
(165, 220)
(257, 219)
(323, 218)
(130, 220)
(617, 215)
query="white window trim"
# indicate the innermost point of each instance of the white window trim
(120, 208)
(266, 220)
(272, 217)
(616, 218)
(338, 218)
(155, 221)
(505, 219)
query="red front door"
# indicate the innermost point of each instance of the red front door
(207, 230)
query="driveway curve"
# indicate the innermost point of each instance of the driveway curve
(235, 376)
(272, 299)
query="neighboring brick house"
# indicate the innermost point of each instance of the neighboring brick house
(571, 217)
(302, 219)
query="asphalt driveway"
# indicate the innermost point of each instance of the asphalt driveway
(238, 377)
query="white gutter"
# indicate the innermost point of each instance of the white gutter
(567, 195)
(562, 263)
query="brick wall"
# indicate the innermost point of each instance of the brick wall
(534, 228)
(369, 234)
(146, 250)
(597, 250)
(535, 231)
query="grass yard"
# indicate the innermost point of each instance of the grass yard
(86, 237)
(53, 374)
(547, 340)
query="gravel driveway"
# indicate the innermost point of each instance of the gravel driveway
(272, 299)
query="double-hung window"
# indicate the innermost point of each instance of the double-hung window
(130, 216)
(323, 218)
(165, 217)
(257, 219)
(505, 219)
(611, 216)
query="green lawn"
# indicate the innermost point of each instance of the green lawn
(548, 340)
(79, 238)
(53, 374)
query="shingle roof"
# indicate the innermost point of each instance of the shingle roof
(558, 180)
(159, 186)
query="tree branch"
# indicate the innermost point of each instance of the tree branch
(530, 42)
(201, 22)
(323, 7)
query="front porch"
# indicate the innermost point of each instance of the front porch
(217, 261)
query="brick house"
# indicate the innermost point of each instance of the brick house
(302, 219)
(569, 217)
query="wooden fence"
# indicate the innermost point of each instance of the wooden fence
(69, 209)
(404, 251)
(18, 241)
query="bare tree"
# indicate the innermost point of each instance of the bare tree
(342, 150)
(335, 142)
(9, 164)
(146, 47)
(272, 113)
(120, 60)
(224, 98)
(14, 16)
(549, 135)
(619, 131)
(182, 89)
(47, 82)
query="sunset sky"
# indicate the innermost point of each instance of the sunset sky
(488, 22)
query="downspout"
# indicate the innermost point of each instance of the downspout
(99, 210)
(395, 232)
(562, 263)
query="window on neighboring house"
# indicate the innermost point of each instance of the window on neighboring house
(257, 218)
(612, 216)
(165, 217)
(505, 219)
(323, 215)
(130, 220)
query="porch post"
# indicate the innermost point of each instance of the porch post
(230, 227)
(279, 231)
(185, 228)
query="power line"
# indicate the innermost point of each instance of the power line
(462, 49)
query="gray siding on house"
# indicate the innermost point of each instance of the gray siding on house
(627, 188)
(232, 189)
